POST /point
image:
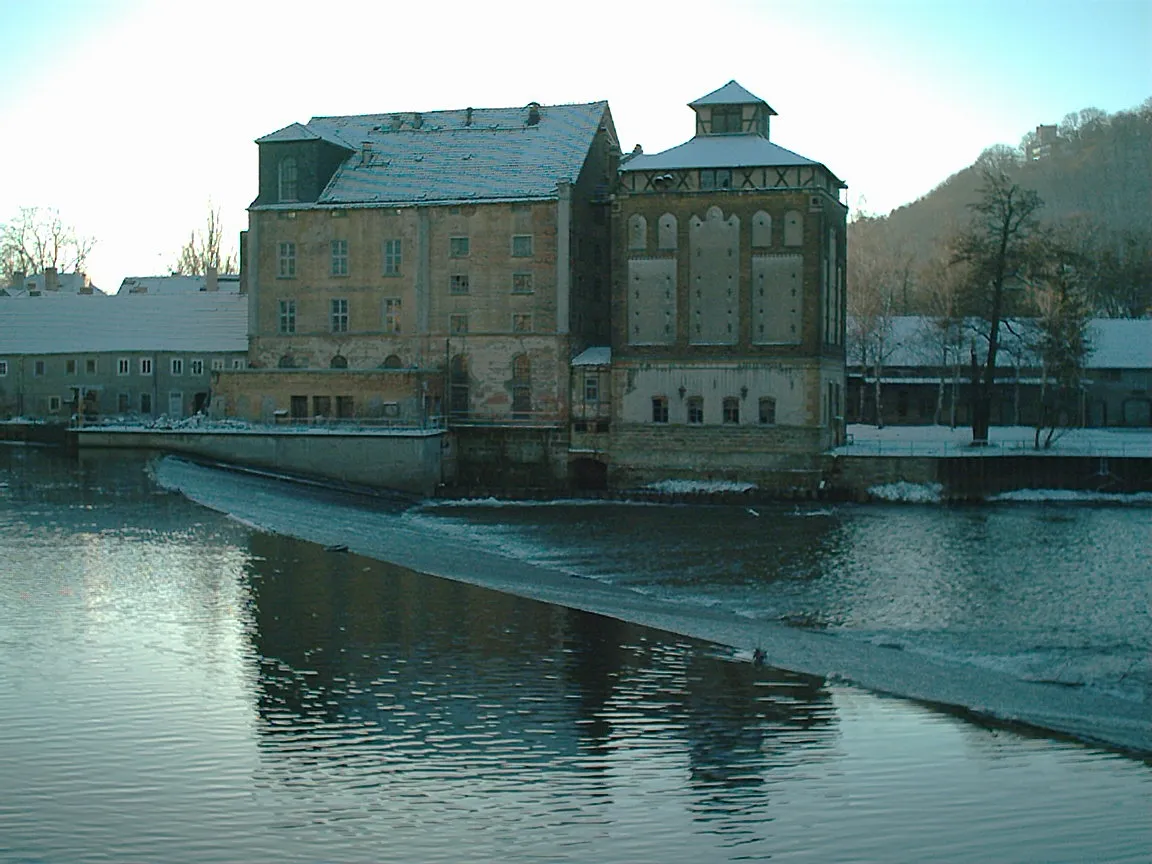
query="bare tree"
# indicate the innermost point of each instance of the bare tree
(944, 337)
(994, 248)
(38, 238)
(203, 249)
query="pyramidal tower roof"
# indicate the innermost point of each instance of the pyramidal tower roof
(730, 94)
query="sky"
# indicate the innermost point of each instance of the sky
(133, 117)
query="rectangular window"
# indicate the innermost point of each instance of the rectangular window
(3, 367)
(392, 258)
(90, 366)
(696, 409)
(392, 315)
(727, 118)
(287, 261)
(123, 366)
(38, 368)
(145, 365)
(339, 257)
(767, 411)
(338, 315)
(54, 404)
(123, 403)
(521, 323)
(345, 407)
(458, 283)
(145, 403)
(217, 364)
(715, 178)
(731, 409)
(591, 388)
(238, 363)
(521, 283)
(458, 323)
(70, 367)
(299, 407)
(177, 365)
(521, 245)
(321, 406)
(659, 409)
(287, 316)
(196, 367)
(458, 247)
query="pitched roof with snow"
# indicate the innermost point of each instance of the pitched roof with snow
(719, 151)
(93, 323)
(730, 94)
(596, 356)
(454, 156)
(177, 284)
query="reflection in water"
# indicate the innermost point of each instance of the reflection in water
(179, 687)
(419, 679)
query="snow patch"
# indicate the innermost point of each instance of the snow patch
(1076, 496)
(909, 493)
(687, 487)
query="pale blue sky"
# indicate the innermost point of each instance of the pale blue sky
(128, 116)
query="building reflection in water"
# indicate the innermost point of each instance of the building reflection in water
(375, 676)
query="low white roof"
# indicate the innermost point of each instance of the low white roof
(595, 356)
(718, 151)
(94, 323)
(176, 283)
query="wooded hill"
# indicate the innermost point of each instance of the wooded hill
(1094, 173)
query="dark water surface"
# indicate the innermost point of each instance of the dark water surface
(178, 686)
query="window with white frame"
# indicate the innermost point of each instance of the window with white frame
(591, 388)
(338, 315)
(123, 366)
(392, 308)
(90, 366)
(521, 245)
(521, 322)
(731, 410)
(339, 257)
(767, 411)
(145, 365)
(177, 365)
(54, 404)
(695, 409)
(70, 366)
(238, 363)
(287, 316)
(287, 264)
(217, 364)
(38, 368)
(458, 283)
(196, 366)
(458, 247)
(458, 323)
(392, 258)
(3, 368)
(522, 283)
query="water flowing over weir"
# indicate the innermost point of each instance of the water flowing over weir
(429, 545)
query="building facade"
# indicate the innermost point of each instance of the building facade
(466, 249)
(92, 356)
(728, 306)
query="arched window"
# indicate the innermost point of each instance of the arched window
(286, 362)
(458, 397)
(521, 387)
(761, 229)
(666, 233)
(339, 361)
(393, 361)
(637, 232)
(288, 184)
(793, 228)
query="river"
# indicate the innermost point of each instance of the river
(189, 674)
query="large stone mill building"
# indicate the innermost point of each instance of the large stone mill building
(573, 318)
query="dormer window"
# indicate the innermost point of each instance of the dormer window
(727, 118)
(288, 186)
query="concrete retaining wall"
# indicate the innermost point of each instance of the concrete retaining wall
(403, 461)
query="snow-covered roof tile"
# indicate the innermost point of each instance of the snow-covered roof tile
(1120, 343)
(176, 283)
(599, 355)
(719, 151)
(459, 156)
(92, 323)
(730, 94)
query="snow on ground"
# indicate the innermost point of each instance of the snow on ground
(1002, 441)
(911, 493)
(689, 487)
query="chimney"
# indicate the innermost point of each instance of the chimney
(210, 281)
(51, 279)
(18, 278)
(533, 113)
(365, 152)
(467, 116)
